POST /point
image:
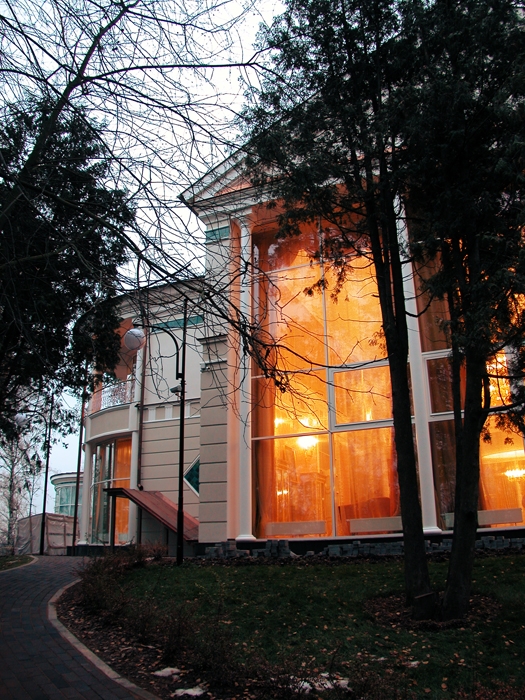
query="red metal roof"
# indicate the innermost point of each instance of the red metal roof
(161, 508)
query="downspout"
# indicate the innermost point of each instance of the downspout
(140, 406)
(134, 520)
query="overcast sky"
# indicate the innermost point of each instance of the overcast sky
(64, 458)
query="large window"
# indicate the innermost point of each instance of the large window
(324, 458)
(65, 499)
(112, 462)
(502, 456)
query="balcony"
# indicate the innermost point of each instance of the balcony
(113, 395)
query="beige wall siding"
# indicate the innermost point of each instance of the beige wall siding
(112, 420)
(160, 459)
(213, 492)
(213, 455)
(212, 532)
(214, 512)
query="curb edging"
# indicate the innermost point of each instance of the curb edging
(139, 693)
(15, 568)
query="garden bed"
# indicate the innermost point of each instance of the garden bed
(299, 628)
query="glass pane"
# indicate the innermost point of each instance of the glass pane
(442, 437)
(100, 515)
(440, 385)
(365, 470)
(354, 316)
(122, 463)
(502, 463)
(362, 395)
(193, 474)
(121, 520)
(292, 487)
(271, 253)
(121, 479)
(499, 384)
(433, 314)
(106, 462)
(97, 465)
(300, 409)
(293, 317)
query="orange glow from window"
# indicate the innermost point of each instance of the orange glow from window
(363, 395)
(365, 476)
(502, 467)
(354, 316)
(499, 384)
(300, 409)
(290, 428)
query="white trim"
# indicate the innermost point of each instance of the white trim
(245, 400)
(420, 395)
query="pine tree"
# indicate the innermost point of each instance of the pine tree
(464, 131)
(58, 267)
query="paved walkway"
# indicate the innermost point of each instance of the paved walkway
(36, 663)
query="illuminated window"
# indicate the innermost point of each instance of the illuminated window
(112, 463)
(502, 475)
(312, 479)
(302, 408)
(502, 478)
(292, 487)
(363, 395)
(365, 478)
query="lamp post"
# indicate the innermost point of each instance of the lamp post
(49, 423)
(132, 341)
(77, 479)
(21, 420)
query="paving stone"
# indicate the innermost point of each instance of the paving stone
(36, 663)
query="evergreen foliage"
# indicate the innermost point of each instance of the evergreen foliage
(58, 266)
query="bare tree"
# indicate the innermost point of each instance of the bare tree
(142, 74)
(20, 467)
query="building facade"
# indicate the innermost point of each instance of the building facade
(312, 455)
(315, 457)
(132, 423)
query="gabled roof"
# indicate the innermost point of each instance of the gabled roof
(221, 192)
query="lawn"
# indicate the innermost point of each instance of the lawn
(11, 562)
(321, 617)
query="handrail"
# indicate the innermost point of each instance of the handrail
(113, 395)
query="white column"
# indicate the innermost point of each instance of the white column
(418, 372)
(245, 404)
(87, 482)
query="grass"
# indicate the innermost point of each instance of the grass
(314, 617)
(11, 562)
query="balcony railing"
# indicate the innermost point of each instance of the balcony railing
(112, 395)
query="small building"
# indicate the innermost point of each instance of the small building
(65, 493)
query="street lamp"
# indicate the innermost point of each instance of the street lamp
(133, 340)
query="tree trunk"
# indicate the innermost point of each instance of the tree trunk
(457, 592)
(417, 580)
(389, 274)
